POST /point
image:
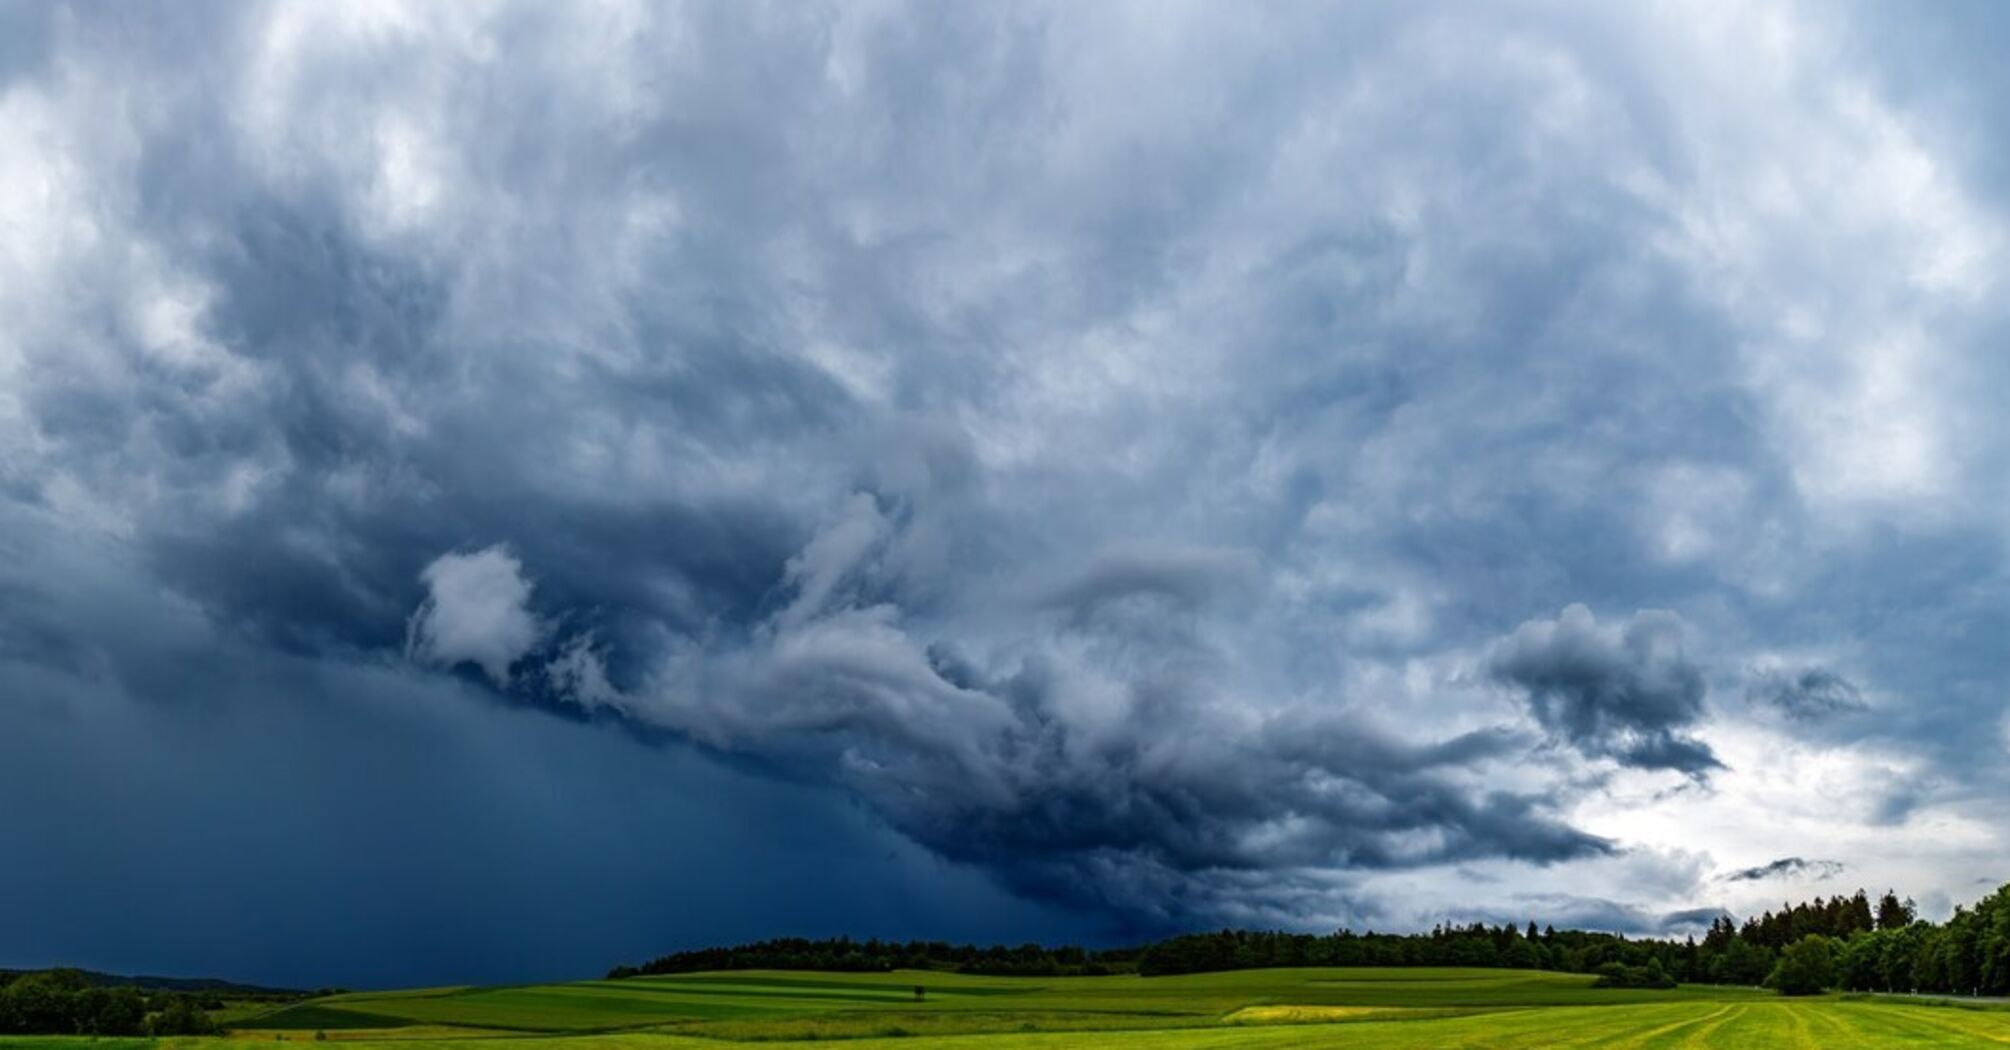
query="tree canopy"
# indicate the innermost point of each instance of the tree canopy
(1807, 967)
(1841, 941)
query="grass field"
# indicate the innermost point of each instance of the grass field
(1373, 1009)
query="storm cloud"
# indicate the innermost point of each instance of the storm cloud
(1623, 691)
(1139, 466)
(1033, 765)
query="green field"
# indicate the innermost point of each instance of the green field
(1397, 1009)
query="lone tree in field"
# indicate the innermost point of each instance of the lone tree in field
(1806, 968)
(920, 993)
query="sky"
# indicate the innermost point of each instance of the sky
(493, 490)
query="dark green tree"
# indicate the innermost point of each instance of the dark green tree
(1807, 967)
(1892, 913)
(1860, 961)
(1741, 963)
(181, 1016)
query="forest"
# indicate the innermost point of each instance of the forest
(1845, 942)
(68, 1002)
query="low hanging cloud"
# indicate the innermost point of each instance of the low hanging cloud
(1619, 691)
(1788, 868)
(477, 611)
(1592, 913)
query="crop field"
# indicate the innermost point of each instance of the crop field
(763, 1002)
(1374, 1009)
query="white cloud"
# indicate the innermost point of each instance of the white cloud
(1844, 251)
(579, 674)
(477, 611)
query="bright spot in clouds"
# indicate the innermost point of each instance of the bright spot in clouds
(477, 611)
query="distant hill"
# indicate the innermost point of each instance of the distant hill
(166, 984)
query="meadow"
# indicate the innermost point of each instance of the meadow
(1374, 1009)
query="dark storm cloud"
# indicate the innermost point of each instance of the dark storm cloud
(1621, 691)
(197, 804)
(1041, 771)
(1788, 867)
(1104, 456)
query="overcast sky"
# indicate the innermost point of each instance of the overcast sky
(489, 491)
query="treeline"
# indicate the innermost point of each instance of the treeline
(1728, 953)
(1841, 942)
(209, 989)
(66, 1002)
(1969, 954)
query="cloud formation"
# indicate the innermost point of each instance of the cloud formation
(1621, 691)
(1038, 765)
(1808, 694)
(477, 611)
(1109, 447)
(1788, 867)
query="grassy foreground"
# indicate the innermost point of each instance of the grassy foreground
(1374, 1009)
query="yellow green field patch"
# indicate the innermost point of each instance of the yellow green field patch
(1317, 1014)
